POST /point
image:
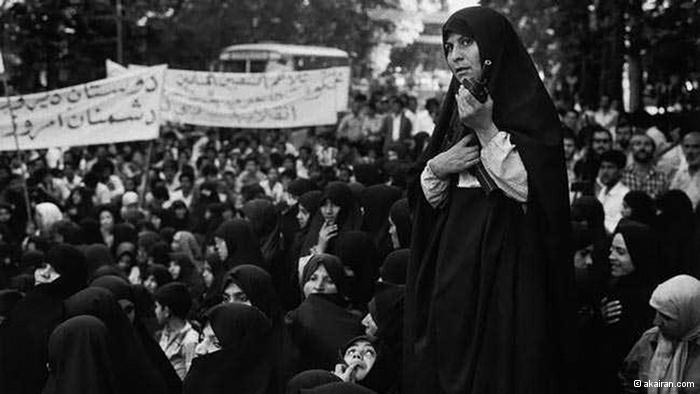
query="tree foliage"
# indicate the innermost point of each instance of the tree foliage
(67, 41)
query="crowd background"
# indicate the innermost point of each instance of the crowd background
(269, 261)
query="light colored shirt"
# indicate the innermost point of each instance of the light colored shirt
(423, 122)
(179, 347)
(276, 191)
(611, 198)
(350, 127)
(689, 184)
(395, 127)
(501, 160)
(177, 195)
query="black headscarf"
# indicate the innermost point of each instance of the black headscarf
(522, 107)
(387, 308)
(176, 223)
(643, 247)
(243, 365)
(241, 242)
(394, 268)
(96, 256)
(80, 360)
(26, 335)
(90, 231)
(188, 273)
(265, 222)
(8, 300)
(311, 201)
(118, 286)
(642, 206)
(401, 217)
(349, 217)
(124, 232)
(357, 252)
(377, 201)
(134, 371)
(256, 283)
(160, 253)
(675, 227)
(339, 388)
(300, 186)
(309, 380)
(318, 328)
(160, 274)
(335, 270)
(31, 259)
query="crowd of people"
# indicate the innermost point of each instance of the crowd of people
(273, 261)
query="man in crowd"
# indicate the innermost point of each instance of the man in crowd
(351, 126)
(687, 178)
(642, 174)
(613, 190)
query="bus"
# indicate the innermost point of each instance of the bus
(274, 57)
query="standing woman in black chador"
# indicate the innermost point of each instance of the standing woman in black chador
(487, 299)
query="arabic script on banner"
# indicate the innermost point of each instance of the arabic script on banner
(253, 100)
(117, 109)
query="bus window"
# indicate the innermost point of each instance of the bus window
(258, 66)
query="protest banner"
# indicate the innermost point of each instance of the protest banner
(253, 100)
(117, 109)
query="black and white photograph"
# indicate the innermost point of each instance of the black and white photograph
(349, 196)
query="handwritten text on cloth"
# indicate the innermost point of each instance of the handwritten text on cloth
(254, 100)
(116, 109)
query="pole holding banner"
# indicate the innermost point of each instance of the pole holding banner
(145, 182)
(19, 152)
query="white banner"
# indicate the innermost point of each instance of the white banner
(116, 109)
(254, 100)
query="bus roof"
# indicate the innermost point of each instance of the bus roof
(282, 49)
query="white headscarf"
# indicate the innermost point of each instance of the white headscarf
(678, 298)
(46, 215)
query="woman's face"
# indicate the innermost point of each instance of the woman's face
(106, 220)
(303, 217)
(320, 283)
(181, 213)
(156, 221)
(620, 259)
(175, 245)
(370, 326)
(583, 258)
(234, 294)
(209, 342)
(668, 326)
(626, 211)
(221, 248)
(363, 354)
(207, 276)
(124, 262)
(463, 57)
(330, 211)
(76, 198)
(150, 284)
(394, 235)
(174, 269)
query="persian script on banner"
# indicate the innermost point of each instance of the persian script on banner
(255, 100)
(117, 109)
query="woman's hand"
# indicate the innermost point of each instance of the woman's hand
(327, 232)
(346, 372)
(456, 159)
(611, 311)
(476, 115)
